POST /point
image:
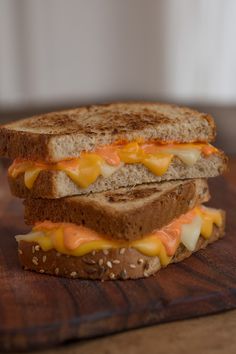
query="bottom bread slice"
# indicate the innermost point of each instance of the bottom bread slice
(123, 263)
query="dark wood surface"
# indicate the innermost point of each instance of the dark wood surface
(40, 311)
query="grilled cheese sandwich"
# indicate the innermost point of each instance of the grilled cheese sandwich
(113, 191)
(78, 240)
(106, 160)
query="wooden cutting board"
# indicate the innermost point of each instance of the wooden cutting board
(41, 311)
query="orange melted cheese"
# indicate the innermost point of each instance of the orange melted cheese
(105, 160)
(78, 240)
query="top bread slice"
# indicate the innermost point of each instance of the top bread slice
(60, 135)
(125, 213)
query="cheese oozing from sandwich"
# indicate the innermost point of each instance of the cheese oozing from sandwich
(77, 240)
(106, 160)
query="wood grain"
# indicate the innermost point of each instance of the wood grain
(41, 311)
(208, 335)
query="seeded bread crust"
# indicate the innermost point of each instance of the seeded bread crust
(59, 135)
(103, 265)
(122, 214)
(56, 184)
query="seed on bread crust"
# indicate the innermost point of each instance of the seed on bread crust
(56, 271)
(35, 260)
(20, 251)
(44, 258)
(105, 252)
(100, 261)
(112, 276)
(109, 264)
(122, 250)
(140, 261)
(132, 266)
(36, 247)
(116, 261)
(90, 261)
(73, 274)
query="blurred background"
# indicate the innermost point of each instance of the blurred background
(64, 53)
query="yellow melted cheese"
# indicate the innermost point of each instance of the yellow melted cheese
(209, 216)
(53, 237)
(85, 170)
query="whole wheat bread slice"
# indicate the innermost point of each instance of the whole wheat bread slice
(113, 264)
(59, 135)
(56, 184)
(125, 213)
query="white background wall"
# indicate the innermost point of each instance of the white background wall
(85, 50)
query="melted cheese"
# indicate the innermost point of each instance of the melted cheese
(104, 161)
(210, 216)
(87, 171)
(187, 153)
(31, 174)
(190, 233)
(158, 163)
(151, 246)
(108, 170)
(78, 240)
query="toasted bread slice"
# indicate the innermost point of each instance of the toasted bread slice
(56, 184)
(112, 264)
(125, 214)
(60, 135)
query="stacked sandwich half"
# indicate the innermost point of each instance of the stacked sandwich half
(113, 191)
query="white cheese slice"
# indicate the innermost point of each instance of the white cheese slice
(107, 170)
(188, 156)
(190, 233)
(30, 236)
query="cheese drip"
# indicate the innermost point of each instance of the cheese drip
(104, 161)
(78, 240)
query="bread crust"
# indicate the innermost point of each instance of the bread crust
(122, 214)
(56, 184)
(103, 265)
(58, 135)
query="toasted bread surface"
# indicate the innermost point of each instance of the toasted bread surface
(56, 184)
(125, 214)
(104, 265)
(59, 135)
